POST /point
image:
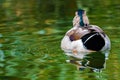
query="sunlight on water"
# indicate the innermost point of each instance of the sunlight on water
(31, 32)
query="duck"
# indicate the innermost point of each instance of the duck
(84, 38)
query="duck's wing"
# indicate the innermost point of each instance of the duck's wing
(72, 39)
(95, 28)
(76, 34)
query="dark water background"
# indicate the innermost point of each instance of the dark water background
(31, 31)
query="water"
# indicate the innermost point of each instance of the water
(30, 35)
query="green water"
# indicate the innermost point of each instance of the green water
(31, 31)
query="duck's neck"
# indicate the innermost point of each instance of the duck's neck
(81, 23)
(78, 21)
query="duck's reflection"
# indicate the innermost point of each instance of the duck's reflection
(95, 61)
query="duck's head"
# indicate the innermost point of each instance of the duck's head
(80, 12)
(80, 18)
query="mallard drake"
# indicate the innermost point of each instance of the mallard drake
(84, 38)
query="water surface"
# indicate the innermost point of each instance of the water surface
(30, 35)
